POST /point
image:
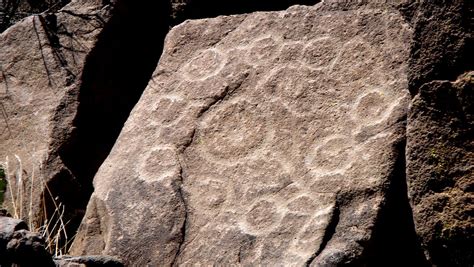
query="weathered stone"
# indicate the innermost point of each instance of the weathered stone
(41, 61)
(8, 226)
(443, 40)
(440, 169)
(262, 139)
(11, 11)
(67, 87)
(28, 249)
(20, 247)
(88, 261)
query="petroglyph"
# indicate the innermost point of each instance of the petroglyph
(271, 123)
(333, 154)
(205, 64)
(321, 52)
(241, 135)
(238, 129)
(159, 164)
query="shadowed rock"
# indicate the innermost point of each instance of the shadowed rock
(65, 93)
(441, 167)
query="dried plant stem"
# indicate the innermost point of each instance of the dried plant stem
(10, 188)
(53, 227)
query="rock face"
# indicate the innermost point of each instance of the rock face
(11, 11)
(65, 93)
(20, 247)
(41, 62)
(441, 167)
(439, 136)
(267, 138)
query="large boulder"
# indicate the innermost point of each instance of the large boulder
(41, 63)
(440, 129)
(440, 169)
(262, 139)
(68, 81)
(20, 247)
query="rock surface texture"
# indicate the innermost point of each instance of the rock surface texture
(440, 158)
(440, 128)
(22, 248)
(65, 94)
(41, 62)
(261, 139)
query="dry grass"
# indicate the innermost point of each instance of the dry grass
(20, 193)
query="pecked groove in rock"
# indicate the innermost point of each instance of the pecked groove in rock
(265, 126)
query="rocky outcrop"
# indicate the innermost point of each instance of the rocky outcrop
(41, 63)
(65, 94)
(439, 136)
(265, 138)
(440, 169)
(268, 138)
(11, 11)
(20, 247)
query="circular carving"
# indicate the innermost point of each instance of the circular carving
(371, 108)
(294, 86)
(291, 52)
(262, 215)
(234, 130)
(168, 110)
(159, 164)
(206, 64)
(263, 50)
(320, 53)
(332, 154)
(303, 204)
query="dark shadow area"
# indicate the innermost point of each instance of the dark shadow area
(442, 40)
(197, 9)
(115, 74)
(12, 11)
(394, 241)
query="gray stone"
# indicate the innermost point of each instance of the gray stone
(262, 139)
(20, 247)
(88, 261)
